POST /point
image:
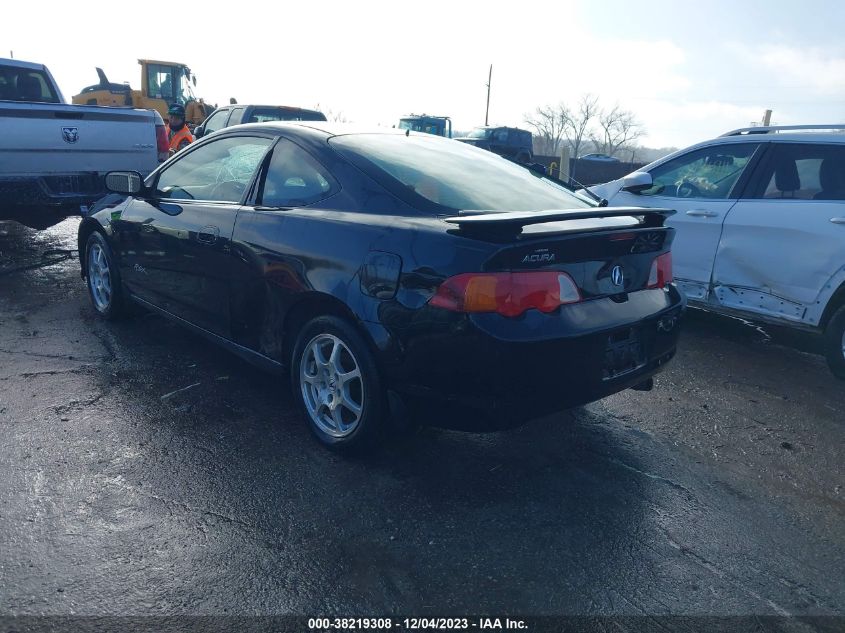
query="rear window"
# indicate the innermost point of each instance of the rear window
(452, 174)
(804, 171)
(480, 132)
(260, 115)
(21, 84)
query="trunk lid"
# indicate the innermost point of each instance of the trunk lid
(47, 139)
(606, 251)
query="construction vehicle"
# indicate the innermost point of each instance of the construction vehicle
(437, 125)
(162, 83)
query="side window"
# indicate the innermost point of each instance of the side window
(217, 121)
(804, 171)
(710, 172)
(294, 179)
(219, 171)
(237, 113)
(501, 136)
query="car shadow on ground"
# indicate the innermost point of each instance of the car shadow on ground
(560, 498)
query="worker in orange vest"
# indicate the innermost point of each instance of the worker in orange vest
(178, 134)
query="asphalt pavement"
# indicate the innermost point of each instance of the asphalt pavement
(145, 471)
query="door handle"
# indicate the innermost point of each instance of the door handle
(701, 213)
(208, 234)
(838, 220)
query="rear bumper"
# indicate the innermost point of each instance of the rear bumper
(471, 380)
(59, 192)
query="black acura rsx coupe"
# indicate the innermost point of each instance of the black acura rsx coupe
(399, 278)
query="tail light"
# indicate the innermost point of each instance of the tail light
(661, 271)
(162, 143)
(508, 294)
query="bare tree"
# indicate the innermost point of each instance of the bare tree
(618, 129)
(331, 115)
(580, 122)
(549, 125)
(585, 127)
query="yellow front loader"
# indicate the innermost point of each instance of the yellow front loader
(162, 83)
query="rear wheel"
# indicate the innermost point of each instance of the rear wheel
(834, 345)
(337, 383)
(104, 286)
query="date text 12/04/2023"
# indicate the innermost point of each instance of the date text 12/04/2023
(416, 624)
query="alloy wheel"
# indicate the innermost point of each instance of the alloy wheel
(99, 277)
(332, 385)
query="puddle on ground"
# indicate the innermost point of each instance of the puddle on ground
(23, 249)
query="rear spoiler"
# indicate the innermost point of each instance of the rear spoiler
(513, 221)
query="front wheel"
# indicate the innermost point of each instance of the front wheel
(104, 286)
(338, 386)
(834, 344)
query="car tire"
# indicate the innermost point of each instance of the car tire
(834, 343)
(337, 384)
(102, 277)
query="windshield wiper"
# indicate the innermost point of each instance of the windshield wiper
(594, 196)
(602, 202)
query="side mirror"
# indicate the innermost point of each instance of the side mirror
(125, 182)
(198, 131)
(637, 182)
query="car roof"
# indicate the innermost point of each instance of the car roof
(804, 137)
(497, 127)
(265, 105)
(230, 106)
(328, 128)
(17, 63)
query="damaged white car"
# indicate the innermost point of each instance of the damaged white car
(760, 225)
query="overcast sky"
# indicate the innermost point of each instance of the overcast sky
(688, 70)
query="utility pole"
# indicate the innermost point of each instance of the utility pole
(767, 118)
(11, 54)
(489, 81)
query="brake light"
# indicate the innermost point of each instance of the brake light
(162, 143)
(509, 294)
(661, 271)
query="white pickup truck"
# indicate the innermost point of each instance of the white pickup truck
(53, 156)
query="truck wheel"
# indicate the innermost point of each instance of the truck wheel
(834, 344)
(337, 385)
(103, 278)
